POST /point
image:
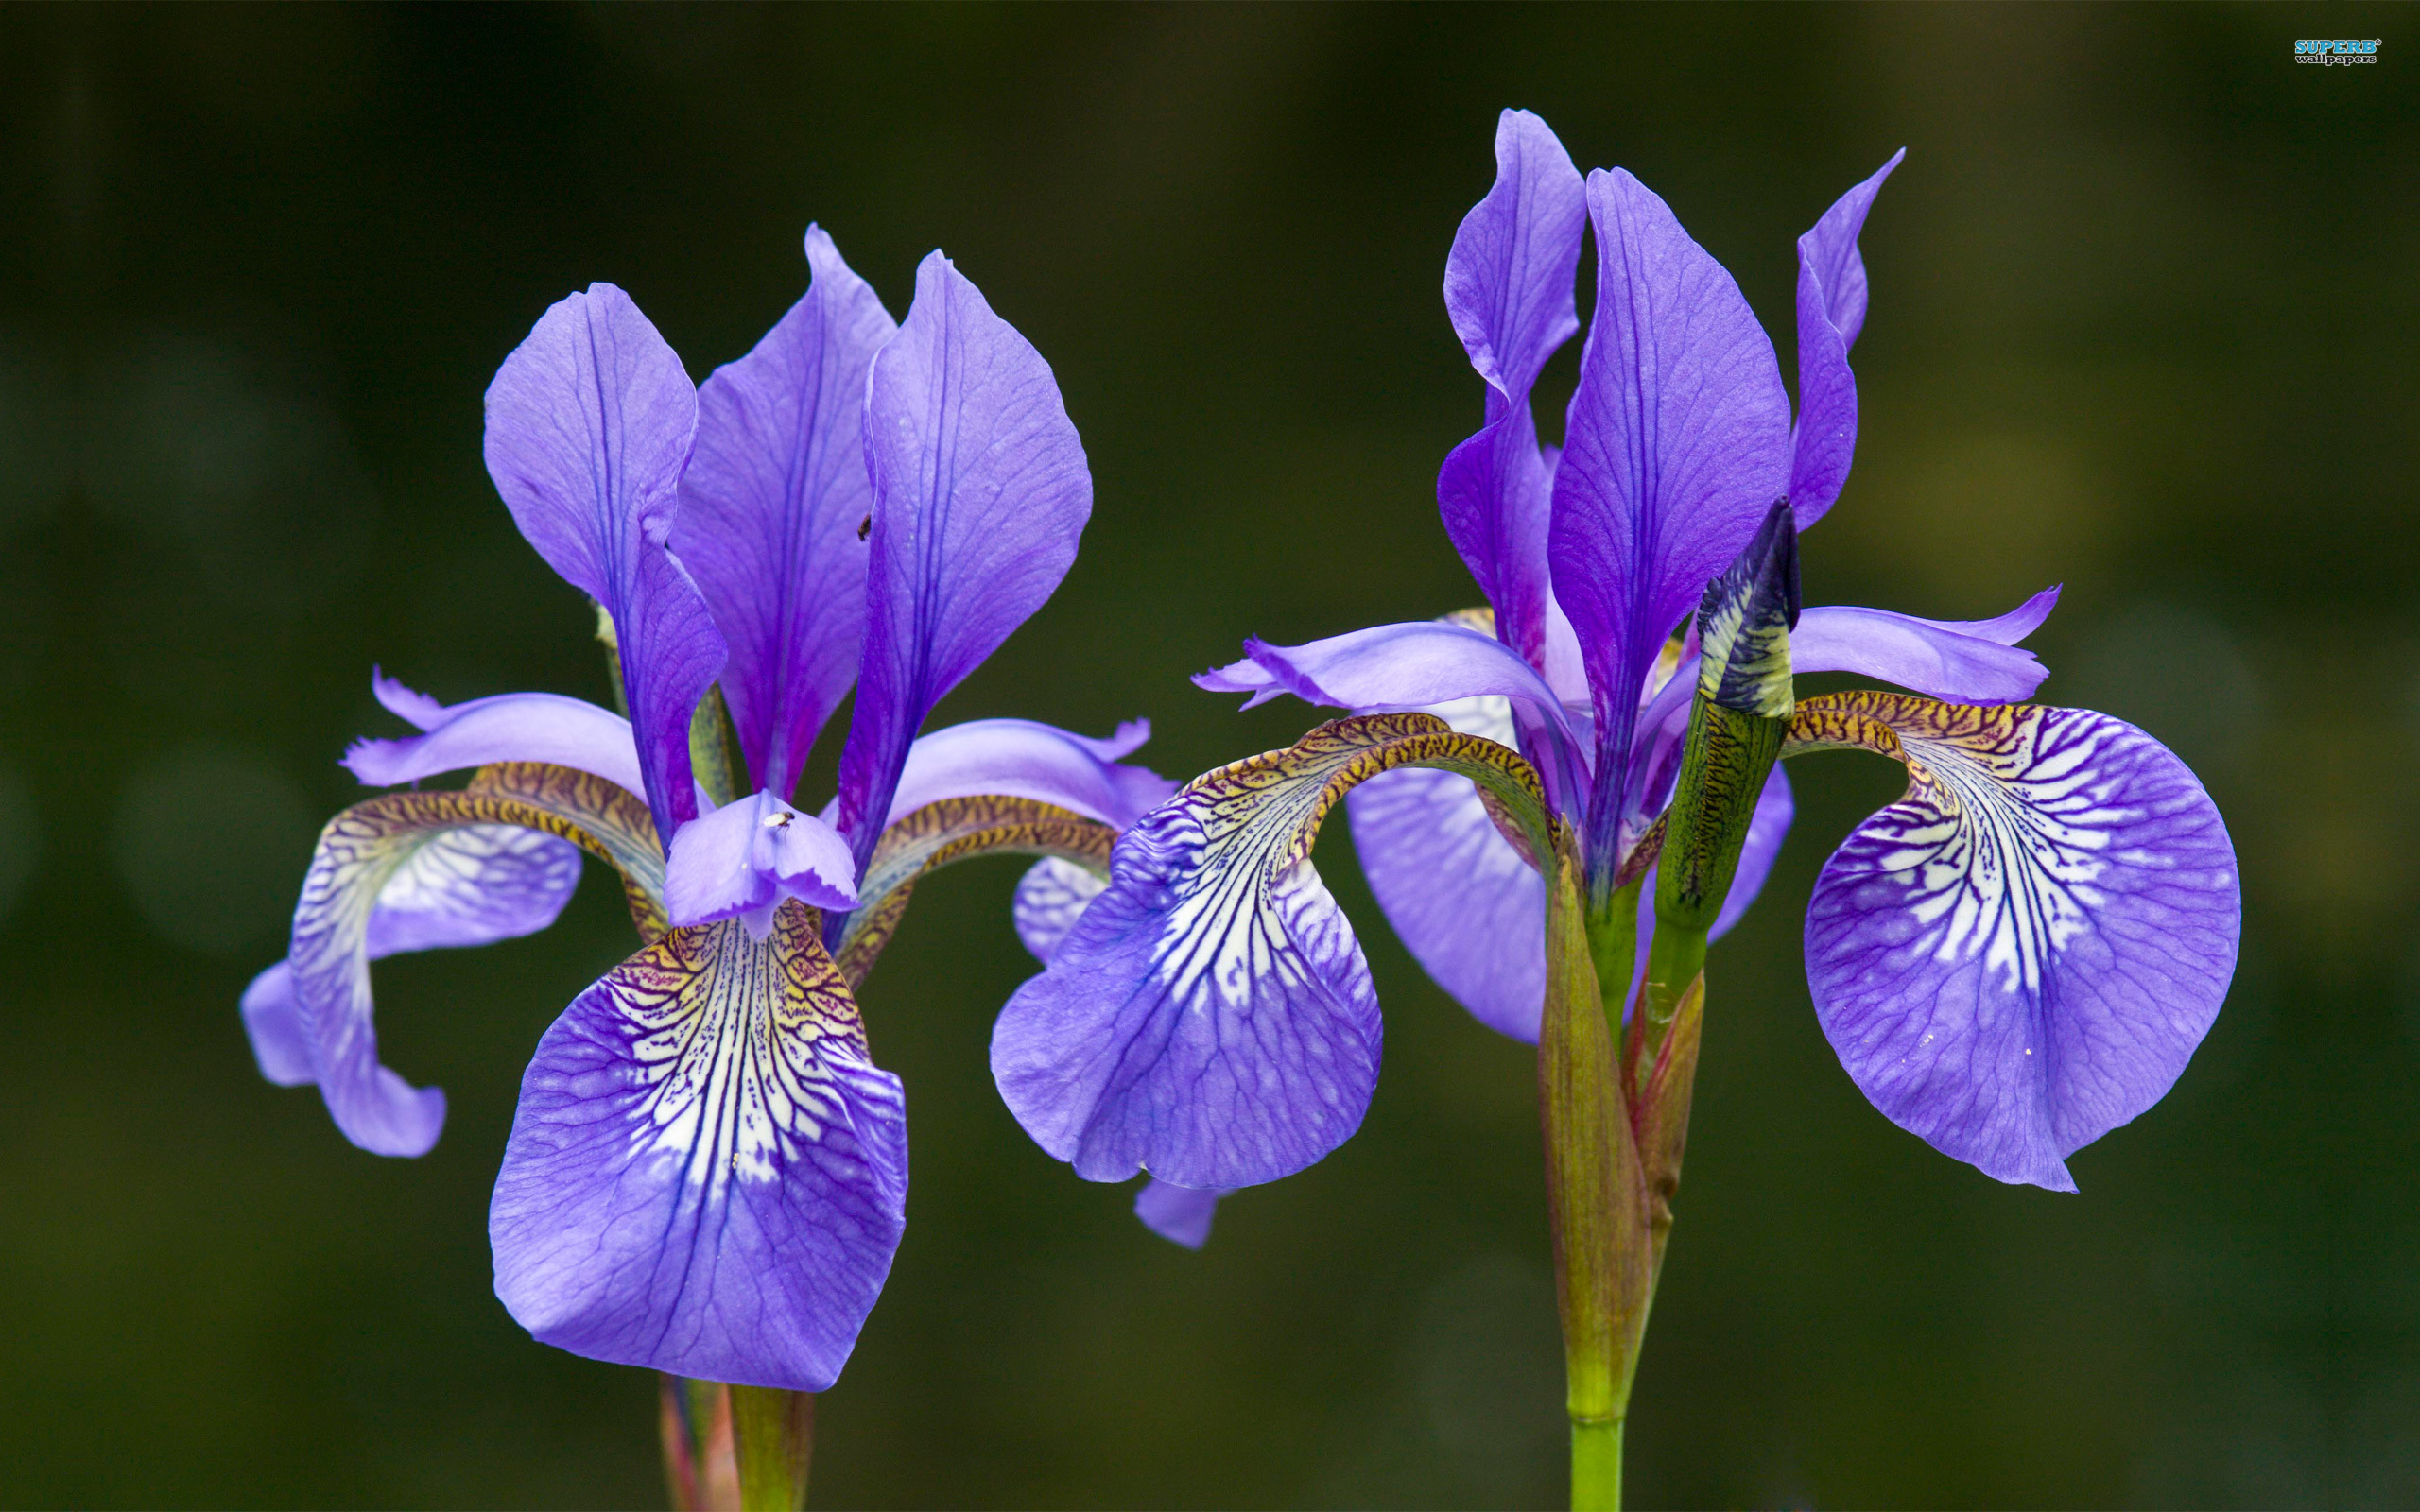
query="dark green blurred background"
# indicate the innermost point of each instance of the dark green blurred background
(2145, 301)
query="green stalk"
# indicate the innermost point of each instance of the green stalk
(1596, 1195)
(775, 1432)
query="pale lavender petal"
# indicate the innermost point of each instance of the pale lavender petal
(2010, 627)
(1181, 1215)
(272, 1023)
(1831, 311)
(379, 885)
(413, 708)
(706, 1174)
(1051, 897)
(509, 726)
(1022, 758)
(2022, 953)
(770, 508)
(1461, 899)
(1508, 292)
(746, 856)
(1919, 654)
(589, 424)
(1390, 667)
(1210, 1016)
(1676, 448)
(981, 492)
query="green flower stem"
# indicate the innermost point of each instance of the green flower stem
(775, 1432)
(1595, 1189)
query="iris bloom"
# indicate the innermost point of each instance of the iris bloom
(707, 1171)
(2015, 957)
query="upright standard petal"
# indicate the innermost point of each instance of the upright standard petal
(1459, 896)
(2021, 953)
(770, 508)
(1508, 292)
(1831, 312)
(1676, 448)
(509, 726)
(1210, 1017)
(589, 424)
(981, 490)
(707, 1174)
(1024, 758)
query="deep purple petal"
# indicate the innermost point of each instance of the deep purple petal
(1181, 1215)
(746, 856)
(706, 1174)
(2021, 955)
(1924, 655)
(1508, 292)
(770, 510)
(509, 726)
(1831, 311)
(1676, 448)
(1210, 1016)
(1461, 899)
(981, 492)
(1022, 758)
(589, 425)
(1051, 897)
(376, 888)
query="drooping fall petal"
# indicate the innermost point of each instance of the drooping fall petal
(2021, 953)
(707, 1175)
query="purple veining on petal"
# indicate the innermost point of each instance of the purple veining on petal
(1831, 312)
(706, 1174)
(1051, 897)
(770, 508)
(2022, 953)
(589, 424)
(744, 858)
(1676, 448)
(1179, 1214)
(1461, 899)
(509, 726)
(373, 890)
(1024, 758)
(1509, 293)
(1209, 1016)
(981, 492)
(468, 886)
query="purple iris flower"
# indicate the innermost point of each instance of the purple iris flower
(2015, 957)
(707, 1171)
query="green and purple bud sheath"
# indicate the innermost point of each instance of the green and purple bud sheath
(1737, 723)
